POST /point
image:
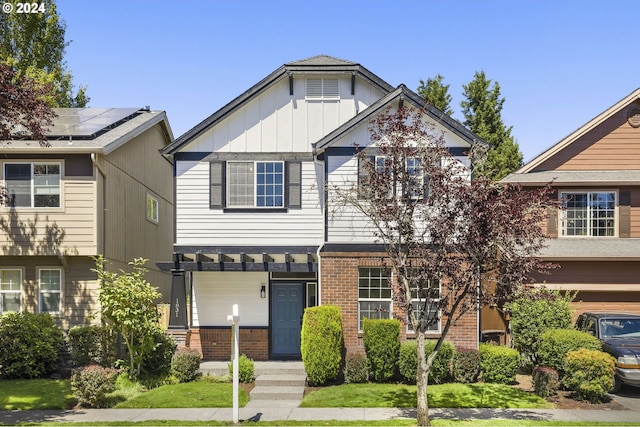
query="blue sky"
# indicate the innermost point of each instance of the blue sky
(558, 63)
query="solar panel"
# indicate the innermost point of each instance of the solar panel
(86, 122)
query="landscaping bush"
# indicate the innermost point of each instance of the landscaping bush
(499, 364)
(532, 313)
(185, 364)
(440, 369)
(156, 363)
(556, 343)
(356, 369)
(246, 369)
(589, 373)
(381, 339)
(90, 385)
(93, 345)
(29, 345)
(545, 381)
(321, 343)
(466, 365)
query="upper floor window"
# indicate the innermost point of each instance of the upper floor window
(255, 184)
(374, 294)
(323, 88)
(32, 185)
(10, 289)
(152, 209)
(50, 287)
(415, 185)
(589, 213)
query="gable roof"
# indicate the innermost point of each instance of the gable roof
(589, 126)
(317, 64)
(92, 130)
(402, 93)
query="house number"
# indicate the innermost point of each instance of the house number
(177, 307)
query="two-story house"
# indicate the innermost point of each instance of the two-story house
(254, 225)
(595, 237)
(101, 187)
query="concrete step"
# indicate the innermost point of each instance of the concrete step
(281, 380)
(277, 393)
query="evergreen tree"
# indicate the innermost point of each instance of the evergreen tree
(482, 111)
(436, 93)
(33, 44)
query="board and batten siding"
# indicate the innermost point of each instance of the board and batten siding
(215, 294)
(198, 224)
(275, 121)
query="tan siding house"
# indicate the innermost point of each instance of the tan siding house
(596, 235)
(102, 187)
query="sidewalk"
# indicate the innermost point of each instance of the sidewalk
(276, 412)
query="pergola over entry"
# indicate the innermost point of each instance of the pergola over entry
(293, 259)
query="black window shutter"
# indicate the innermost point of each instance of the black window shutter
(294, 185)
(217, 176)
(552, 219)
(363, 173)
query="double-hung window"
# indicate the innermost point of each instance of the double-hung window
(423, 299)
(32, 185)
(413, 182)
(50, 287)
(589, 213)
(10, 289)
(374, 294)
(255, 184)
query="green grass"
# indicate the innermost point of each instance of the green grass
(35, 394)
(452, 395)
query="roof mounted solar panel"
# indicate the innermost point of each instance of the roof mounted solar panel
(87, 123)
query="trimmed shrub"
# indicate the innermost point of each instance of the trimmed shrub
(90, 385)
(589, 373)
(556, 343)
(93, 345)
(355, 368)
(499, 363)
(246, 369)
(532, 313)
(29, 345)
(440, 369)
(545, 381)
(321, 343)
(381, 339)
(156, 364)
(185, 364)
(466, 365)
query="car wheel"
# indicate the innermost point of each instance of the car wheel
(617, 384)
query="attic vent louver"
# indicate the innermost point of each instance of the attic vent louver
(323, 88)
(634, 117)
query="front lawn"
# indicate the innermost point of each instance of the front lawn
(451, 395)
(35, 394)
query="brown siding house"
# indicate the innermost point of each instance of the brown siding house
(101, 187)
(595, 236)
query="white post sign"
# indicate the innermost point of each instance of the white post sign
(235, 349)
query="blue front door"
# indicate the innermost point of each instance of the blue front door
(286, 319)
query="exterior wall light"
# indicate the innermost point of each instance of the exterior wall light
(263, 291)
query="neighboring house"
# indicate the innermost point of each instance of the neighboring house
(596, 236)
(101, 187)
(255, 225)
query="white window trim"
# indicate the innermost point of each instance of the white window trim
(563, 213)
(21, 270)
(255, 185)
(32, 163)
(155, 220)
(433, 300)
(390, 299)
(61, 292)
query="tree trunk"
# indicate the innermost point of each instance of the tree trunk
(421, 383)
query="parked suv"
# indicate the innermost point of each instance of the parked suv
(620, 336)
